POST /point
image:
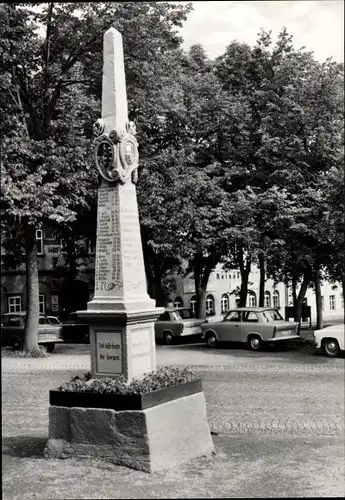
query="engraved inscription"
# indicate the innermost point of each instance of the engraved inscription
(141, 349)
(109, 352)
(108, 257)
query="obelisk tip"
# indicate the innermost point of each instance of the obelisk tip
(113, 31)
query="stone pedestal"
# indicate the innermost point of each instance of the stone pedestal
(150, 440)
(121, 344)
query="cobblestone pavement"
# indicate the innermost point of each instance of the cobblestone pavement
(272, 393)
(278, 420)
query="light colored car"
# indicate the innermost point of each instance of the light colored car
(54, 320)
(12, 331)
(253, 325)
(170, 325)
(330, 340)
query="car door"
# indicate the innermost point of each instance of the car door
(162, 323)
(12, 326)
(250, 324)
(46, 331)
(229, 330)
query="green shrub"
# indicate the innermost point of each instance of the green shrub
(39, 352)
(153, 381)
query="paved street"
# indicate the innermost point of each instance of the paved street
(277, 415)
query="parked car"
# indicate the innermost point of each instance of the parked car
(73, 330)
(12, 331)
(253, 325)
(185, 312)
(330, 340)
(170, 325)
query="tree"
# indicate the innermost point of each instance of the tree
(41, 77)
(184, 206)
(291, 133)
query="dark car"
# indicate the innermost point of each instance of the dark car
(73, 330)
(13, 326)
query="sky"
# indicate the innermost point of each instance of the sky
(317, 25)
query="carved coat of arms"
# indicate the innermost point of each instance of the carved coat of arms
(116, 153)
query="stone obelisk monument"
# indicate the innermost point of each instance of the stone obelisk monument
(121, 315)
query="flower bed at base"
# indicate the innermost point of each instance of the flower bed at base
(160, 379)
(163, 385)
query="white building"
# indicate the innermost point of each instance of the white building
(219, 297)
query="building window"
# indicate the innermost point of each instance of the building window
(42, 303)
(91, 247)
(222, 276)
(39, 240)
(237, 302)
(251, 299)
(14, 304)
(267, 299)
(217, 276)
(209, 305)
(178, 302)
(322, 303)
(276, 301)
(224, 303)
(238, 275)
(332, 302)
(193, 303)
(63, 245)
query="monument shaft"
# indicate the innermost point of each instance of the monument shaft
(121, 315)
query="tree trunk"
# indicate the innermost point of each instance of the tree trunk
(201, 303)
(71, 259)
(262, 279)
(319, 312)
(294, 291)
(202, 267)
(245, 271)
(299, 301)
(32, 306)
(161, 299)
(199, 289)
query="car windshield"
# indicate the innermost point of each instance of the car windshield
(176, 316)
(186, 313)
(53, 321)
(272, 315)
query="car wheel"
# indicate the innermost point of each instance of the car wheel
(16, 344)
(211, 339)
(330, 347)
(168, 338)
(255, 342)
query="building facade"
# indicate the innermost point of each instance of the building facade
(53, 297)
(220, 296)
(60, 297)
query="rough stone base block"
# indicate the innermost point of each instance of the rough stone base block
(148, 440)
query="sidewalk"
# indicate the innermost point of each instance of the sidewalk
(244, 467)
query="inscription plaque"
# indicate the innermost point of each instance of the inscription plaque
(141, 349)
(109, 353)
